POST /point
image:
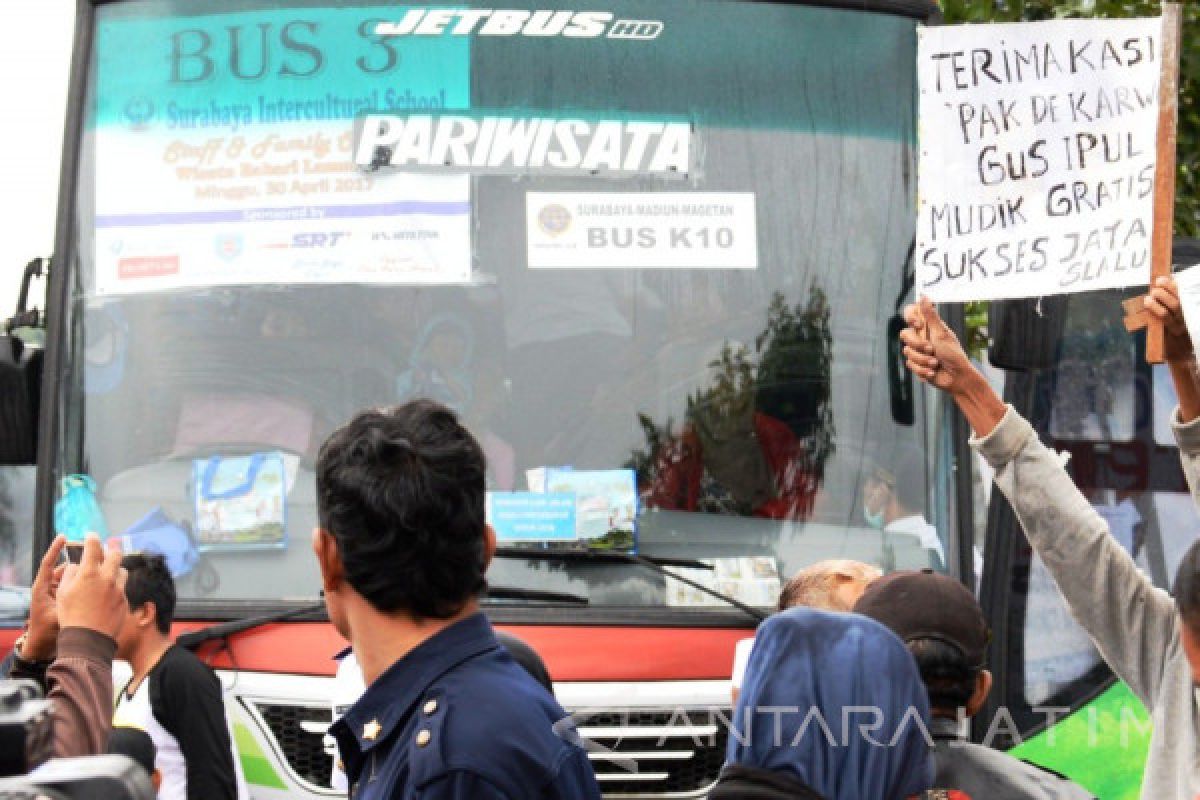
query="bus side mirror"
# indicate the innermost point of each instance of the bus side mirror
(1025, 333)
(900, 382)
(20, 396)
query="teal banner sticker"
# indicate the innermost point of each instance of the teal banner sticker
(532, 516)
(269, 67)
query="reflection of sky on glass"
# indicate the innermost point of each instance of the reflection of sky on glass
(1164, 403)
(1094, 396)
(1064, 653)
(1178, 527)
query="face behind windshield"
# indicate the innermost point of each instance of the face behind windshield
(691, 362)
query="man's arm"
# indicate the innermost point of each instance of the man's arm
(935, 356)
(1132, 623)
(186, 699)
(1162, 303)
(80, 687)
(88, 601)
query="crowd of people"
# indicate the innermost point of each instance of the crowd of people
(860, 687)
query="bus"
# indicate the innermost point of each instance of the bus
(652, 253)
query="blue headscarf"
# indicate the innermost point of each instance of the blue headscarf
(842, 673)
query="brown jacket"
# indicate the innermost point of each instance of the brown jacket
(80, 686)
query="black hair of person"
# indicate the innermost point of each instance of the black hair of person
(401, 490)
(149, 581)
(948, 677)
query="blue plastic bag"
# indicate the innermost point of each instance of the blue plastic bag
(76, 514)
(158, 533)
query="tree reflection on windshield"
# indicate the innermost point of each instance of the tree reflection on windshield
(755, 440)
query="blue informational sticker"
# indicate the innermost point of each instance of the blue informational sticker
(606, 505)
(532, 516)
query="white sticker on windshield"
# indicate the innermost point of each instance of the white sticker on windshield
(165, 232)
(650, 230)
(752, 580)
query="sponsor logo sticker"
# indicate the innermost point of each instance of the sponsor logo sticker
(135, 267)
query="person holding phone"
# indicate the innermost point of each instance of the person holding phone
(75, 613)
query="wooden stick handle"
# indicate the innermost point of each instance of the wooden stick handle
(1164, 176)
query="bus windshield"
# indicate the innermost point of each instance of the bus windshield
(648, 255)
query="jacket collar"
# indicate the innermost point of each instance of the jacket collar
(388, 701)
(946, 728)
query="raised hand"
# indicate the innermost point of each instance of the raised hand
(43, 615)
(932, 351)
(92, 592)
(1162, 303)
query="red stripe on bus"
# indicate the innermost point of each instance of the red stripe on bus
(571, 653)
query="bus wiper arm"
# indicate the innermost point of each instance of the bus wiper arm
(517, 593)
(596, 557)
(658, 565)
(223, 630)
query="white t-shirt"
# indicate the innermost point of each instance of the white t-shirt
(348, 686)
(917, 526)
(135, 712)
(741, 657)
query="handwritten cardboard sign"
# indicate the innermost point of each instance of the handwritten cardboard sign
(1037, 157)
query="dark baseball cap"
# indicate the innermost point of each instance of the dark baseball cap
(928, 605)
(134, 743)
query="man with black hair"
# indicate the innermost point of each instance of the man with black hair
(172, 696)
(944, 628)
(402, 548)
(1149, 640)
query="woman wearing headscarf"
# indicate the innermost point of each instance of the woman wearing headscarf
(832, 708)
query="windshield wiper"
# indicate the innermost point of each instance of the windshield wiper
(223, 630)
(595, 557)
(655, 564)
(516, 593)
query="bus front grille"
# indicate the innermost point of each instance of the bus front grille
(637, 753)
(299, 733)
(655, 752)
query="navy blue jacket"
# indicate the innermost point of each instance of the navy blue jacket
(458, 718)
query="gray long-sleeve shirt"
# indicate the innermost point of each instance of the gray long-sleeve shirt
(1134, 625)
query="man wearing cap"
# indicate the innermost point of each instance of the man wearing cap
(1151, 641)
(945, 630)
